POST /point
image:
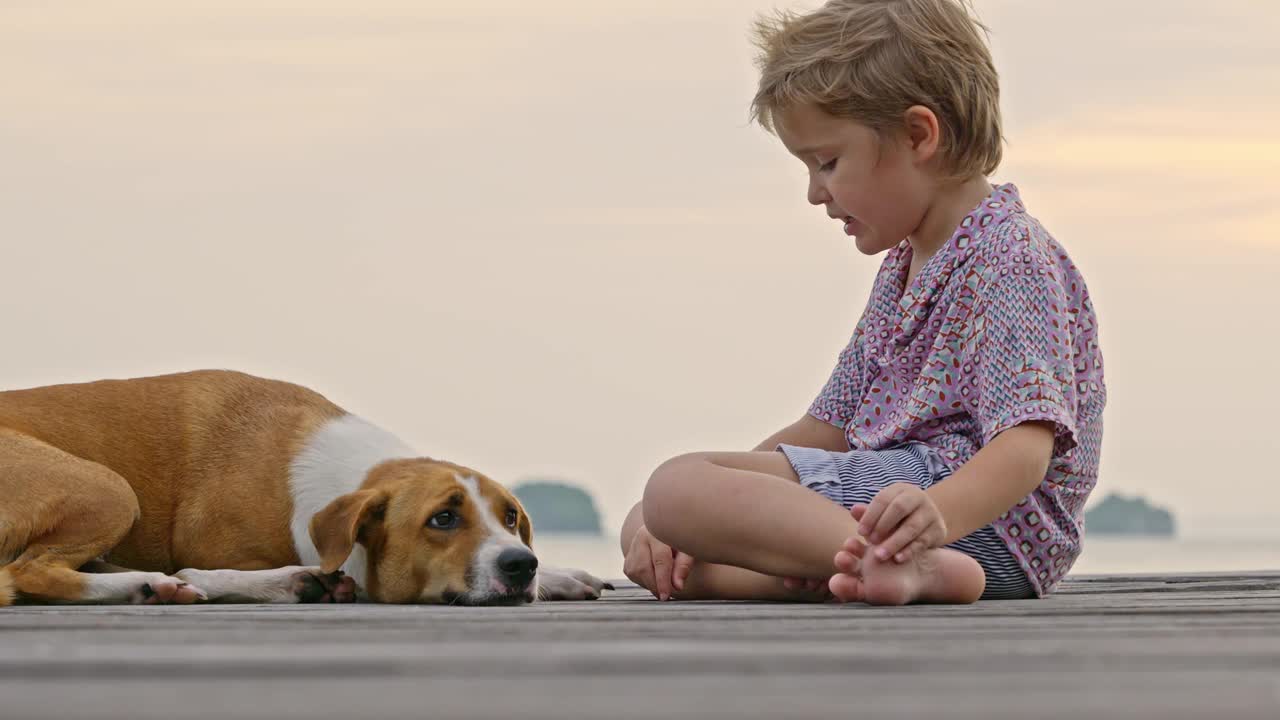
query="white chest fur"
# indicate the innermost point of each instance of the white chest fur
(334, 462)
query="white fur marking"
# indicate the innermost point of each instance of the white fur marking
(255, 586)
(335, 461)
(121, 587)
(484, 566)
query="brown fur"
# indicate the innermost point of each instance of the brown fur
(6, 588)
(192, 471)
(411, 562)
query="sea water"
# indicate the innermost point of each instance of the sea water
(1202, 549)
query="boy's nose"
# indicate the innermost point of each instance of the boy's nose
(818, 194)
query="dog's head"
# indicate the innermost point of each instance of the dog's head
(430, 532)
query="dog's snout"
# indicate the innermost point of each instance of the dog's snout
(517, 566)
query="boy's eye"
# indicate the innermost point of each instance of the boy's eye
(828, 166)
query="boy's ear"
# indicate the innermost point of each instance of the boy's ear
(924, 134)
(335, 529)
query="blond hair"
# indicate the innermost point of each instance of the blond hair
(871, 60)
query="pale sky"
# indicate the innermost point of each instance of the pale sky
(541, 239)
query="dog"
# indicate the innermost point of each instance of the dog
(217, 486)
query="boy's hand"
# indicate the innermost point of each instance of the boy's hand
(804, 584)
(901, 521)
(656, 566)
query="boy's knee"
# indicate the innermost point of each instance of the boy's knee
(632, 523)
(670, 496)
(668, 482)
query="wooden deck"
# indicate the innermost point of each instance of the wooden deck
(1205, 646)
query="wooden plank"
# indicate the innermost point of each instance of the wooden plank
(1137, 646)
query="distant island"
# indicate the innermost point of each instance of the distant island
(556, 507)
(1120, 515)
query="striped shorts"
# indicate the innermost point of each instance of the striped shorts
(849, 478)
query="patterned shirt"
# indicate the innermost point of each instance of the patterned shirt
(997, 330)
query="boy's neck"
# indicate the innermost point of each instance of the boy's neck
(949, 207)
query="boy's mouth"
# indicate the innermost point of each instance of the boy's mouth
(851, 225)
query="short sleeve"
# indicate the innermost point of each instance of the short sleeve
(1021, 347)
(835, 403)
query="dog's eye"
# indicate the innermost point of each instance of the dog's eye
(512, 517)
(446, 520)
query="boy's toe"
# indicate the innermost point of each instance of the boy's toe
(847, 562)
(847, 588)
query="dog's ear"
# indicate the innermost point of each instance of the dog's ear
(337, 527)
(525, 526)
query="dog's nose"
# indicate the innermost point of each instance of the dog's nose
(517, 566)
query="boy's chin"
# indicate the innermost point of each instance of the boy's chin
(869, 244)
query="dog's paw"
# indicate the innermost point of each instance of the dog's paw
(158, 589)
(311, 585)
(568, 584)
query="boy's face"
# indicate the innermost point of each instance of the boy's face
(875, 186)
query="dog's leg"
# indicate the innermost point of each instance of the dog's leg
(60, 512)
(280, 585)
(134, 587)
(556, 583)
(98, 566)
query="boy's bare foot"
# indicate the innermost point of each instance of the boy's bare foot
(935, 576)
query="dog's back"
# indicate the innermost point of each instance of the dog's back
(182, 442)
(223, 487)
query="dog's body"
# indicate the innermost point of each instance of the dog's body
(222, 486)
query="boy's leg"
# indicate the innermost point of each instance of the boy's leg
(940, 575)
(748, 510)
(707, 581)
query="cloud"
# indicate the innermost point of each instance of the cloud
(1171, 169)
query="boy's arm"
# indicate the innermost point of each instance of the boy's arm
(808, 431)
(1004, 472)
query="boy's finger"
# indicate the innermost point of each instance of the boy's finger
(635, 564)
(801, 584)
(642, 571)
(913, 550)
(906, 533)
(899, 510)
(871, 517)
(935, 534)
(908, 552)
(858, 511)
(644, 579)
(683, 565)
(662, 573)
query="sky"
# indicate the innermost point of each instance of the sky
(543, 240)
